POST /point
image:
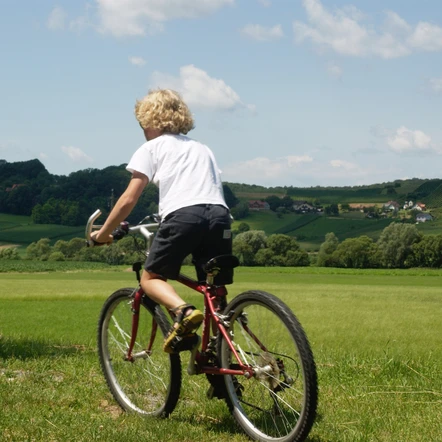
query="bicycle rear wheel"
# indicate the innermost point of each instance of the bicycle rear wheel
(279, 402)
(150, 385)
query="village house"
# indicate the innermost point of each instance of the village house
(258, 205)
(302, 206)
(419, 206)
(423, 217)
(392, 206)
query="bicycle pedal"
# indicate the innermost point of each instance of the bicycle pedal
(218, 389)
(211, 393)
(184, 343)
(217, 392)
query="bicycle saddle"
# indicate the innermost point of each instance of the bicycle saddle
(222, 261)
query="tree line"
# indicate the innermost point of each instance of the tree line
(27, 188)
(399, 246)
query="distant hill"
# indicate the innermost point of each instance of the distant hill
(27, 188)
(398, 190)
(60, 203)
(20, 171)
(433, 199)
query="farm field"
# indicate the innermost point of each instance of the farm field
(20, 230)
(309, 229)
(375, 336)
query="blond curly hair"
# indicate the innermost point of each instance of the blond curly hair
(164, 109)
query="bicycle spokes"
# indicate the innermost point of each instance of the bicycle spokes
(274, 400)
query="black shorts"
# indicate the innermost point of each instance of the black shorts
(202, 230)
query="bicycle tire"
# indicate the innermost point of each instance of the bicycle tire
(150, 385)
(279, 402)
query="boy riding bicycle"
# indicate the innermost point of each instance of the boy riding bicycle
(194, 216)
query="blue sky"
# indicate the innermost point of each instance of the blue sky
(300, 92)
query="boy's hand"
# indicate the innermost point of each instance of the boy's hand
(99, 240)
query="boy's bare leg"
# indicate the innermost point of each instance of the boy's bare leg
(188, 321)
(160, 291)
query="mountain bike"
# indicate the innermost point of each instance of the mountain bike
(253, 351)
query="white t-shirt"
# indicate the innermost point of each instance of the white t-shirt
(184, 170)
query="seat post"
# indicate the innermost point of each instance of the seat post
(210, 278)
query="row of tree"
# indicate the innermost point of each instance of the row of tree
(27, 188)
(252, 247)
(399, 246)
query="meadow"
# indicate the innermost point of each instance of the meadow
(375, 335)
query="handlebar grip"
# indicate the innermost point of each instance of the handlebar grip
(121, 231)
(91, 243)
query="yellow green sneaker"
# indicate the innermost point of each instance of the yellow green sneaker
(181, 335)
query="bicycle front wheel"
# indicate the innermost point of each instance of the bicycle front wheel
(150, 384)
(277, 403)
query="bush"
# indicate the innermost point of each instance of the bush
(395, 244)
(56, 256)
(357, 253)
(247, 244)
(297, 258)
(281, 250)
(9, 253)
(39, 250)
(243, 227)
(325, 254)
(427, 253)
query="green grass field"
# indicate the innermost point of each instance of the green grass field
(375, 336)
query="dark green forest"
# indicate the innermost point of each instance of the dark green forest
(27, 188)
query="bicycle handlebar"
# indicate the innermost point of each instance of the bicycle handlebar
(145, 229)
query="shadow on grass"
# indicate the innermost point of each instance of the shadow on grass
(24, 348)
(225, 424)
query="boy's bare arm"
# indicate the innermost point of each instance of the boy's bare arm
(122, 208)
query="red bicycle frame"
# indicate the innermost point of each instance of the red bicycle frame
(212, 320)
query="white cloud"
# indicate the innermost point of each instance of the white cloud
(343, 172)
(293, 160)
(262, 33)
(139, 17)
(265, 3)
(137, 61)
(303, 171)
(199, 90)
(406, 140)
(427, 37)
(344, 165)
(9, 146)
(380, 131)
(265, 170)
(334, 70)
(345, 33)
(82, 22)
(76, 154)
(436, 84)
(57, 19)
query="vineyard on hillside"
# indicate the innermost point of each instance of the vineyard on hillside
(434, 199)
